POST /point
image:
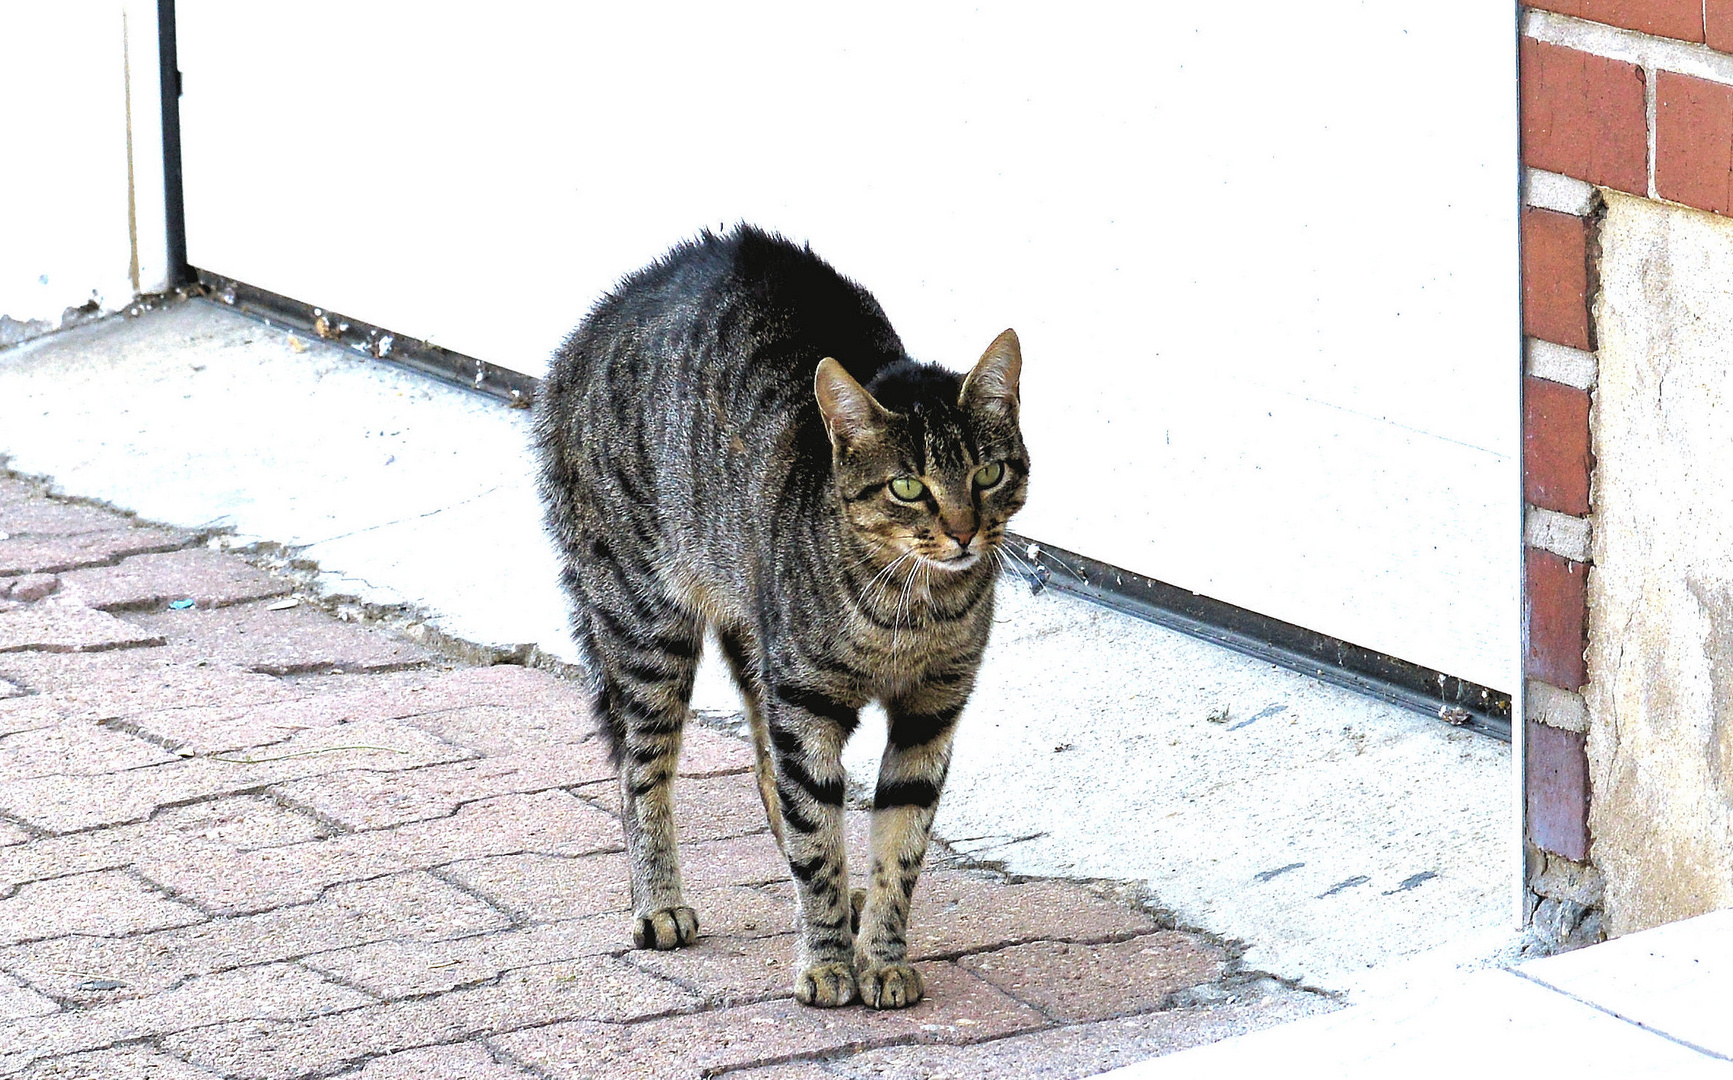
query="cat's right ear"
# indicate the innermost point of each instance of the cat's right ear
(850, 413)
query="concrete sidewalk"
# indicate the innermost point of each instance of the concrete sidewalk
(240, 837)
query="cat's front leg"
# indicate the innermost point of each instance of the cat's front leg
(911, 776)
(807, 730)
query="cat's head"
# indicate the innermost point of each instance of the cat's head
(927, 461)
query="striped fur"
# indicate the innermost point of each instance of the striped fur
(717, 443)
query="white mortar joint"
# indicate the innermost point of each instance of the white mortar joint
(1549, 705)
(1555, 191)
(1561, 534)
(1560, 363)
(1649, 53)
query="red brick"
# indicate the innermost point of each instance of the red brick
(294, 641)
(208, 578)
(1556, 787)
(52, 555)
(1556, 460)
(1555, 604)
(1694, 142)
(1555, 278)
(1584, 116)
(1681, 19)
(1718, 24)
(1072, 983)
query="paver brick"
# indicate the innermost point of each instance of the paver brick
(30, 713)
(34, 514)
(74, 748)
(206, 577)
(28, 588)
(80, 853)
(959, 1008)
(502, 730)
(67, 628)
(738, 860)
(465, 1061)
(1073, 1052)
(599, 987)
(19, 1002)
(133, 1062)
(728, 970)
(57, 554)
(548, 887)
(107, 902)
(957, 912)
(288, 642)
(228, 728)
(1072, 982)
(104, 685)
(67, 803)
(11, 834)
(270, 992)
(241, 822)
(398, 968)
(706, 753)
(229, 882)
(374, 800)
(548, 823)
(706, 808)
(409, 907)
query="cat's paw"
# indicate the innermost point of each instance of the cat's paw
(826, 985)
(856, 901)
(891, 986)
(668, 928)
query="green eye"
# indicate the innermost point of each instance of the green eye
(907, 488)
(989, 475)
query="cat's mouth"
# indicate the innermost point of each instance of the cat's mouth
(962, 560)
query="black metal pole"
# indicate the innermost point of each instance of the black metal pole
(173, 199)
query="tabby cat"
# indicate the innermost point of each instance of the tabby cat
(734, 439)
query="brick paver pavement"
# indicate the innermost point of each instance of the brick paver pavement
(240, 837)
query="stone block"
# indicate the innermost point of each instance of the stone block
(367, 800)
(117, 1063)
(398, 968)
(68, 803)
(956, 912)
(208, 578)
(75, 748)
(105, 903)
(706, 808)
(292, 641)
(254, 994)
(29, 588)
(465, 1061)
(62, 628)
(409, 908)
(598, 987)
(57, 554)
(549, 887)
(1072, 983)
(36, 515)
(959, 1008)
(1083, 1050)
(107, 685)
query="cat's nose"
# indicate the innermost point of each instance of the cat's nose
(962, 538)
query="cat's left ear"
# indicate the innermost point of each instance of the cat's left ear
(992, 386)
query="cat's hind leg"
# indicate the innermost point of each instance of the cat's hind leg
(646, 653)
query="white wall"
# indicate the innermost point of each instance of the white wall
(1262, 256)
(66, 233)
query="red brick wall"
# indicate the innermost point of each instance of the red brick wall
(1630, 96)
